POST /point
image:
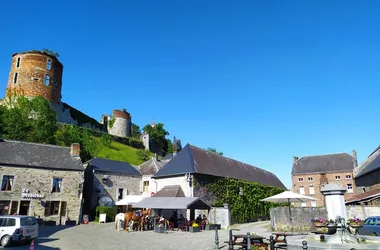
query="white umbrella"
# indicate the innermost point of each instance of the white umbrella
(289, 197)
(130, 200)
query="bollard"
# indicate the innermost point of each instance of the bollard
(249, 241)
(166, 228)
(230, 245)
(304, 245)
(271, 240)
(216, 238)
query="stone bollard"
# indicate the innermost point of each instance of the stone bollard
(230, 245)
(271, 240)
(249, 241)
(166, 228)
(216, 238)
(304, 245)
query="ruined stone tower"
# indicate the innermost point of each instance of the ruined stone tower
(36, 73)
(120, 124)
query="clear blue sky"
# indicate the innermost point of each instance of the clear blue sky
(262, 81)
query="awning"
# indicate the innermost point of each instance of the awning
(173, 203)
(130, 200)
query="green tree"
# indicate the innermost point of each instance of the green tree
(170, 146)
(214, 151)
(136, 133)
(143, 154)
(157, 134)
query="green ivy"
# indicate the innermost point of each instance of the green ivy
(246, 206)
(111, 122)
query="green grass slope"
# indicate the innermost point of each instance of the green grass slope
(119, 152)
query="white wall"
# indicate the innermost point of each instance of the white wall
(152, 185)
(181, 181)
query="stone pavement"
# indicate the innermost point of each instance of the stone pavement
(104, 236)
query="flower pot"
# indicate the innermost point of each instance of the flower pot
(319, 224)
(356, 225)
(159, 230)
(194, 229)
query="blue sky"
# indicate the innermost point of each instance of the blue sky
(261, 81)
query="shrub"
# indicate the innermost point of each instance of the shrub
(109, 211)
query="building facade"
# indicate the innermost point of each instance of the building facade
(41, 180)
(311, 173)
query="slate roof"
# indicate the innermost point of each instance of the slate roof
(195, 160)
(151, 166)
(330, 163)
(168, 156)
(118, 167)
(371, 164)
(364, 196)
(170, 191)
(26, 154)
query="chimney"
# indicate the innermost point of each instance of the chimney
(355, 159)
(295, 159)
(75, 150)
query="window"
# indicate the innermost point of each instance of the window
(300, 179)
(349, 188)
(313, 203)
(56, 185)
(310, 178)
(7, 183)
(28, 221)
(14, 207)
(303, 204)
(18, 62)
(51, 208)
(4, 207)
(302, 190)
(348, 177)
(47, 80)
(120, 192)
(48, 65)
(311, 189)
(146, 186)
(15, 78)
(337, 177)
(7, 222)
(63, 208)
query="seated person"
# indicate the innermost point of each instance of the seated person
(198, 219)
(204, 219)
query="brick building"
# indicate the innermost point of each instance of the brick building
(311, 173)
(367, 180)
(41, 180)
(108, 181)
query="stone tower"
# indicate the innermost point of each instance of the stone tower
(121, 123)
(36, 73)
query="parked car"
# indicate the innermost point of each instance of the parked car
(371, 226)
(17, 228)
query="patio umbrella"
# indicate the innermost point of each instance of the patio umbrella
(289, 197)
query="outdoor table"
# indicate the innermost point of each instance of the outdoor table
(284, 235)
(255, 240)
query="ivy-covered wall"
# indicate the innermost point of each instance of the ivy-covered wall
(245, 207)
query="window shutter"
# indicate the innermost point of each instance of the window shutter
(141, 186)
(117, 194)
(63, 208)
(47, 208)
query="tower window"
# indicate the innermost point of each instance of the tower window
(48, 65)
(18, 62)
(15, 78)
(47, 79)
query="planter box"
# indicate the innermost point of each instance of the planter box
(194, 229)
(160, 230)
(212, 226)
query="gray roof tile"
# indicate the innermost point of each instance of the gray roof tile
(17, 153)
(371, 164)
(170, 191)
(151, 166)
(195, 160)
(323, 164)
(119, 167)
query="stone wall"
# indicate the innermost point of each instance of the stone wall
(301, 217)
(39, 181)
(369, 181)
(220, 215)
(107, 189)
(28, 72)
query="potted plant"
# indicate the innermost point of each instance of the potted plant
(320, 222)
(159, 229)
(355, 222)
(194, 228)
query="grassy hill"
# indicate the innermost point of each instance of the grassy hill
(119, 152)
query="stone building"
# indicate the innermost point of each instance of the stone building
(41, 180)
(367, 180)
(120, 124)
(108, 181)
(311, 173)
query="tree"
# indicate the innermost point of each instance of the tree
(157, 133)
(214, 151)
(143, 154)
(136, 133)
(170, 146)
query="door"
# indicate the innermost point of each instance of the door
(24, 207)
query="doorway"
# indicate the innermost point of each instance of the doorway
(24, 207)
